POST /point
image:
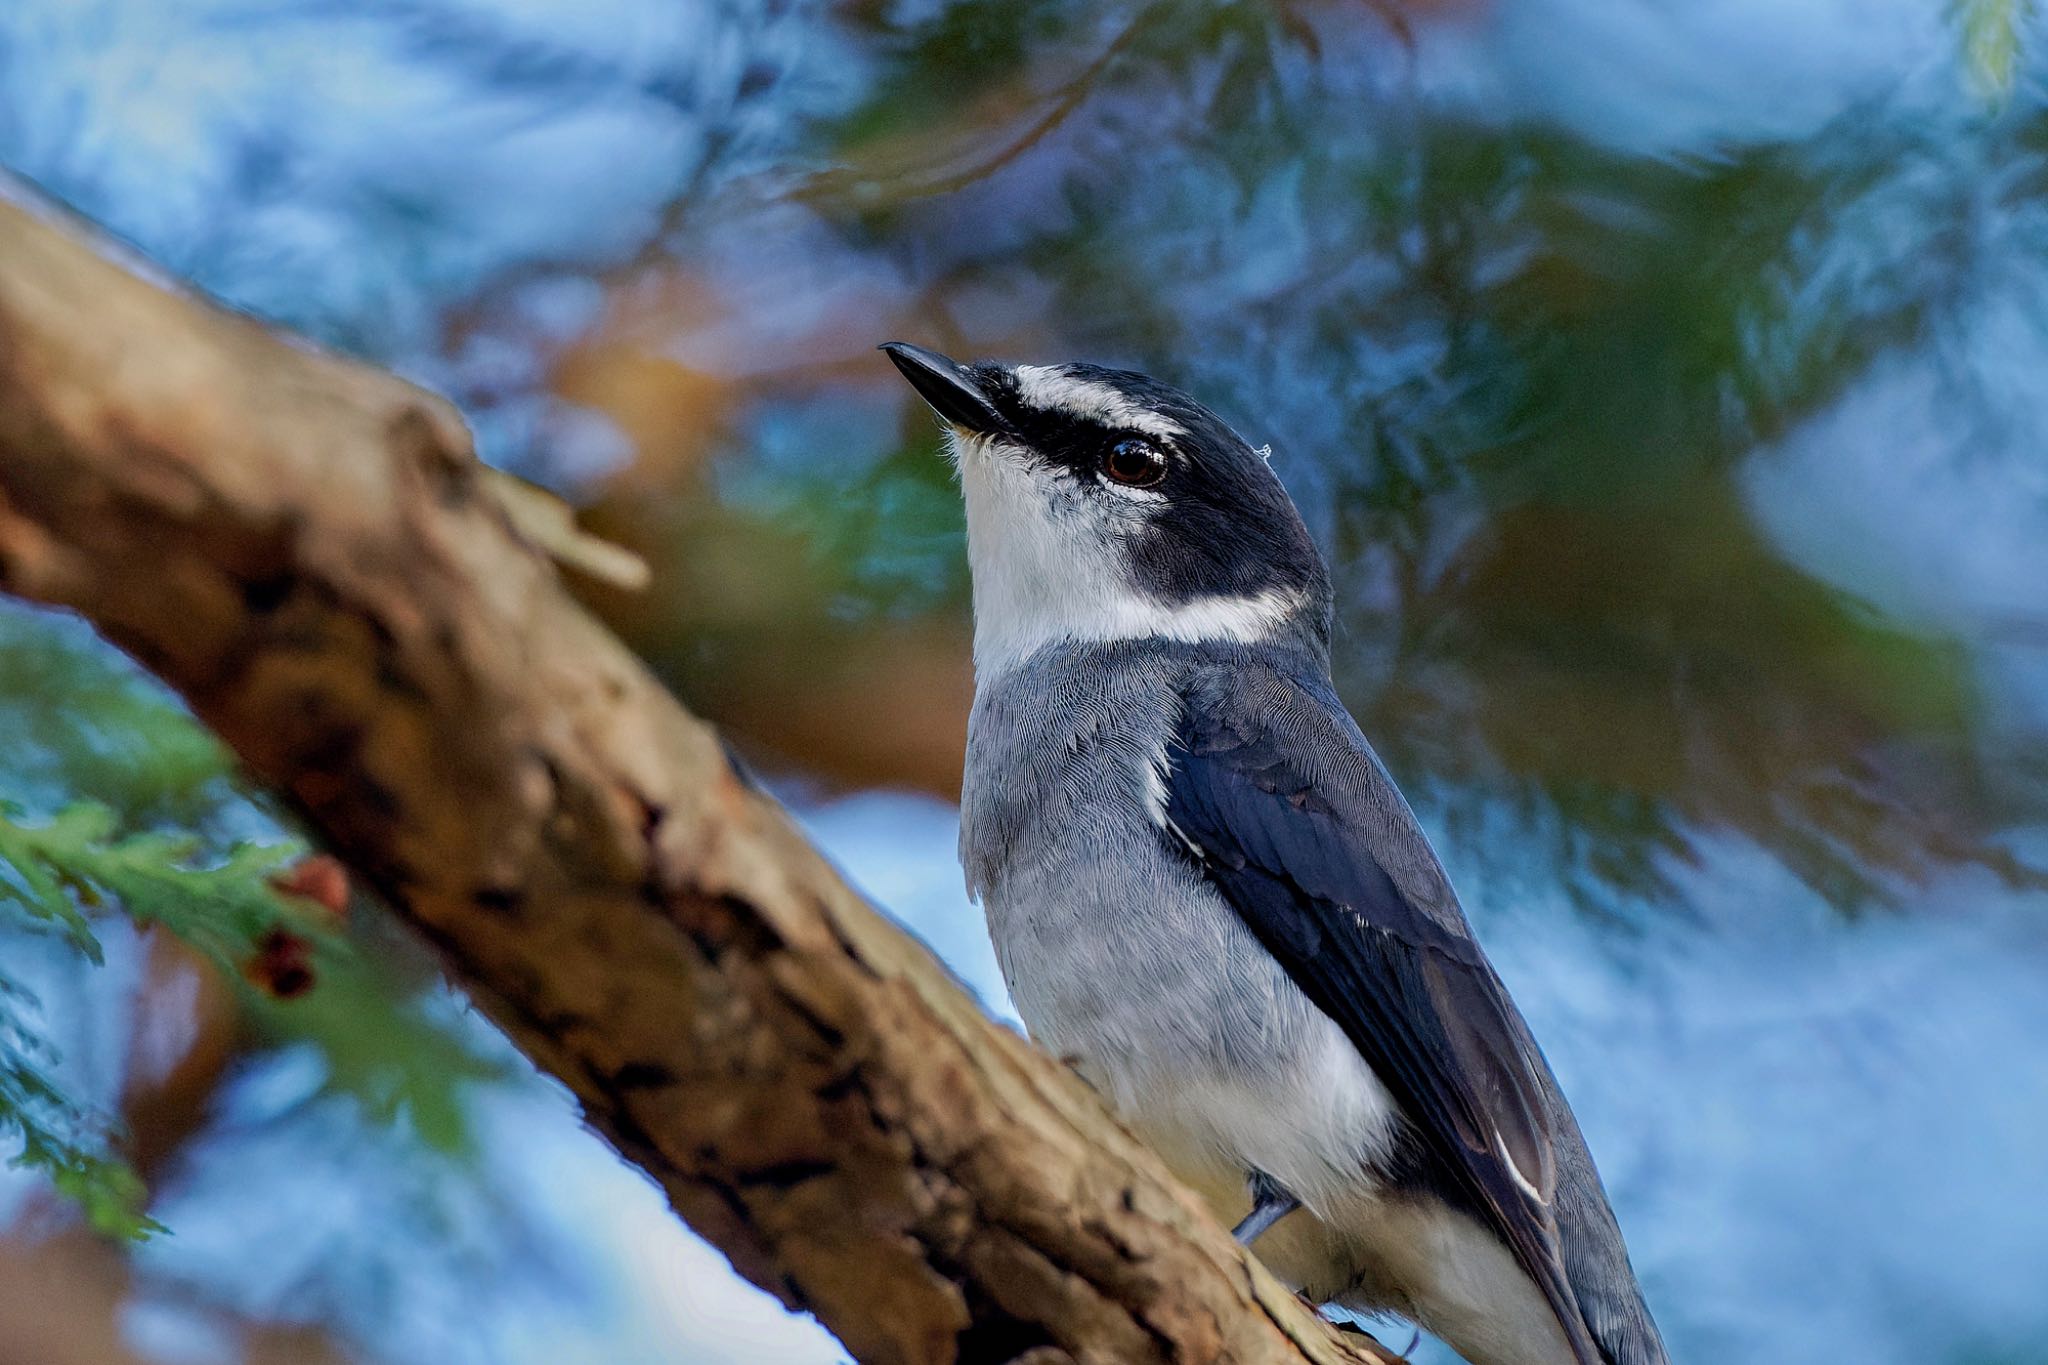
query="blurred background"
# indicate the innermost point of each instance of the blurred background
(1665, 379)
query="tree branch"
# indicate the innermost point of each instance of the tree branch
(302, 547)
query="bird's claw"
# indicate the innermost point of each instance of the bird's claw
(1270, 1203)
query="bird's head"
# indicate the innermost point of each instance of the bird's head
(1103, 505)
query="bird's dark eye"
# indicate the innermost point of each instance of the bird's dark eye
(1136, 464)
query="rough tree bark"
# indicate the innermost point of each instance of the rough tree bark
(299, 545)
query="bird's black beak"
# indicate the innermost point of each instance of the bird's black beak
(947, 386)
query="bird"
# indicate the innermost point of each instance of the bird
(1206, 892)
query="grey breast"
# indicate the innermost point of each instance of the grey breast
(1116, 950)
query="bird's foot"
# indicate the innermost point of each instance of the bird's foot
(1270, 1204)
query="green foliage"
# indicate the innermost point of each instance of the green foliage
(75, 721)
(68, 1147)
(387, 1045)
(967, 46)
(72, 720)
(79, 860)
(887, 540)
(52, 876)
(171, 843)
(1991, 36)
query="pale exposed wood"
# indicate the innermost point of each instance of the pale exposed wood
(300, 545)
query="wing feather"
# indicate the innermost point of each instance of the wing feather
(1278, 797)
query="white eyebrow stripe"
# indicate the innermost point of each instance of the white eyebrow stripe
(1051, 388)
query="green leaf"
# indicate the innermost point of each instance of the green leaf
(67, 1145)
(1991, 39)
(384, 1046)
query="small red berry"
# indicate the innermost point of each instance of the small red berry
(319, 878)
(283, 964)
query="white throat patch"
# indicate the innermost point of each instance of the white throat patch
(1049, 388)
(1049, 565)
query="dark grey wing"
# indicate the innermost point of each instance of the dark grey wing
(1275, 792)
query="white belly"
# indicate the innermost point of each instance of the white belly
(1193, 1032)
(1201, 1042)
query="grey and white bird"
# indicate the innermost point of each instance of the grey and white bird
(1205, 889)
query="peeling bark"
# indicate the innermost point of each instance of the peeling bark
(301, 546)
